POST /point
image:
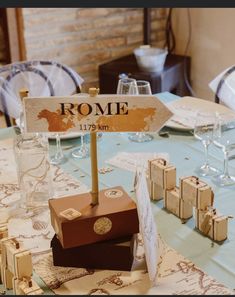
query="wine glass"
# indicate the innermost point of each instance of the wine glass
(83, 150)
(143, 88)
(127, 86)
(204, 131)
(224, 138)
(59, 157)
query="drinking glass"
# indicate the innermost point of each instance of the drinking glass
(224, 138)
(59, 157)
(33, 170)
(204, 131)
(143, 88)
(83, 150)
(127, 86)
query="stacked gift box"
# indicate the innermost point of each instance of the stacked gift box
(192, 194)
(98, 236)
(16, 266)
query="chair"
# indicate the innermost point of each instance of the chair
(41, 78)
(221, 83)
(223, 86)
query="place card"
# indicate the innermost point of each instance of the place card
(147, 223)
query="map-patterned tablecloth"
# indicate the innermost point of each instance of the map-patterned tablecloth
(176, 275)
(34, 231)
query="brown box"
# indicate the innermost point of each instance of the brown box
(162, 173)
(176, 205)
(115, 254)
(196, 192)
(76, 222)
(211, 224)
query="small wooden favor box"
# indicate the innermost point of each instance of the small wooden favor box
(16, 259)
(26, 286)
(196, 192)
(114, 254)
(3, 231)
(77, 222)
(16, 262)
(156, 192)
(176, 205)
(162, 173)
(211, 224)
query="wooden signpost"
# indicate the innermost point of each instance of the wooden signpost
(94, 113)
(98, 216)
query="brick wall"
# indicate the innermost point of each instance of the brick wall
(83, 38)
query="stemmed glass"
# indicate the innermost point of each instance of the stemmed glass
(224, 138)
(204, 131)
(143, 88)
(83, 150)
(127, 86)
(59, 157)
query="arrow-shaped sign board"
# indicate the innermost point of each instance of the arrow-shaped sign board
(104, 113)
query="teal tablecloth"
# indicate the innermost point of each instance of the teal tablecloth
(186, 154)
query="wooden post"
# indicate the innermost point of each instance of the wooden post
(23, 93)
(147, 26)
(93, 151)
(15, 34)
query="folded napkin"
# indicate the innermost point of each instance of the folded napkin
(129, 160)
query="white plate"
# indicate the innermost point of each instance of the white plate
(65, 135)
(185, 109)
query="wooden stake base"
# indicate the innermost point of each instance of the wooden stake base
(77, 222)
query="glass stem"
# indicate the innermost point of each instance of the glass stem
(82, 140)
(59, 152)
(226, 173)
(206, 164)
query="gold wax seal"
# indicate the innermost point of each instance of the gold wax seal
(102, 225)
(113, 193)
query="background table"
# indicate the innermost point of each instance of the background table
(170, 79)
(186, 154)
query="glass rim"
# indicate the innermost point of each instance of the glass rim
(142, 82)
(127, 80)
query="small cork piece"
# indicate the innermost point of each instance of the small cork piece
(16, 243)
(23, 93)
(94, 92)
